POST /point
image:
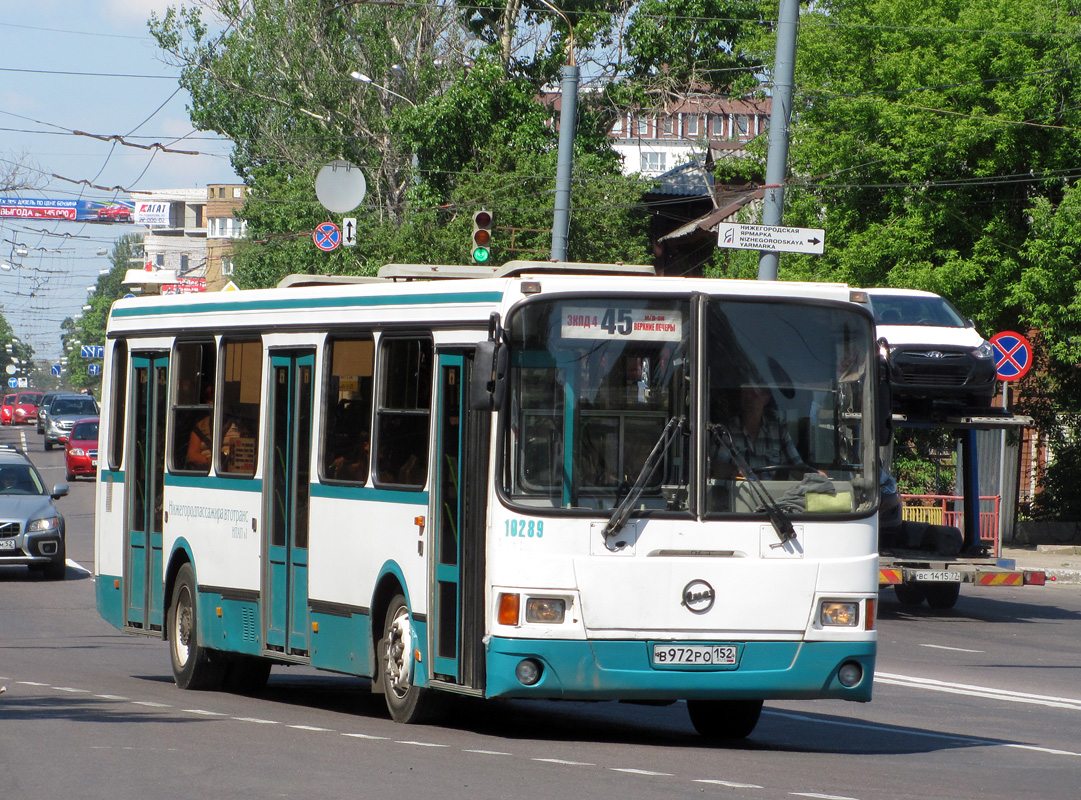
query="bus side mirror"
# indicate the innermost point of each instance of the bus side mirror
(883, 401)
(489, 378)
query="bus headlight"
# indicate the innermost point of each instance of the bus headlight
(839, 614)
(545, 609)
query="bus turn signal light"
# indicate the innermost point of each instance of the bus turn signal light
(508, 609)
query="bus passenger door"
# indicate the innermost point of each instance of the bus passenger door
(287, 495)
(143, 580)
(459, 484)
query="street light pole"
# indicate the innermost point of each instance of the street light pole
(568, 116)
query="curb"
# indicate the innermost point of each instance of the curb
(1063, 575)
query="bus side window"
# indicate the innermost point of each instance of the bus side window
(193, 406)
(242, 378)
(402, 419)
(347, 413)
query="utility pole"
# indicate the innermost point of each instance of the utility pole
(784, 77)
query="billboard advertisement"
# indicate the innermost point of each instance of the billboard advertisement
(71, 210)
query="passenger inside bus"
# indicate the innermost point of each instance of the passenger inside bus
(200, 442)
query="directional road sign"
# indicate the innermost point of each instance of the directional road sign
(349, 232)
(1013, 355)
(92, 351)
(737, 236)
(13, 382)
(327, 236)
(93, 369)
(56, 369)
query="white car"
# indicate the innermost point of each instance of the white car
(934, 352)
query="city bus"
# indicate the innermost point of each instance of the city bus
(528, 481)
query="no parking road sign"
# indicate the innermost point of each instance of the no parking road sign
(327, 236)
(1013, 355)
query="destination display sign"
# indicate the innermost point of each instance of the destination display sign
(737, 236)
(612, 322)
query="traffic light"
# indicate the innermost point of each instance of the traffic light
(482, 236)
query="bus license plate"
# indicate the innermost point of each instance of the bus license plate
(937, 576)
(695, 655)
(7, 544)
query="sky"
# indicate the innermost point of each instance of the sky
(89, 66)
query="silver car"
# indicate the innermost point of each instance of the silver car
(31, 529)
(63, 412)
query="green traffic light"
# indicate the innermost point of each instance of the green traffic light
(481, 254)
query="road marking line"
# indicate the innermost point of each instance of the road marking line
(822, 796)
(311, 728)
(642, 772)
(486, 752)
(950, 737)
(419, 744)
(565, 763)
(203, 712)
(257, 721)
(70, 689)
(729, 784)
(150, 704)
(111, 697)
(951, 649)
(364, 736)
(31, 683)
(77, 566)
(977, 691)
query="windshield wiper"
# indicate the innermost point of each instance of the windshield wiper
(776, 514)
(622, 512)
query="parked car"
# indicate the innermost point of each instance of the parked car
(26, 407)
(31, 528)
(81, 453)
(43, 406)
(7, 409)
(934, 352)
(62, 413)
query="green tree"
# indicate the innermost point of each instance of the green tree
(925, 133)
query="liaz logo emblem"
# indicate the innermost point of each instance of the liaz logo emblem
(698, 597)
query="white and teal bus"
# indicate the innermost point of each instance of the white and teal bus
(516, 482)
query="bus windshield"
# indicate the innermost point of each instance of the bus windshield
(596, 383)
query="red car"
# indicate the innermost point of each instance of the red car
(81, 449)
(7, 410)
(115, 213)
(25, 411)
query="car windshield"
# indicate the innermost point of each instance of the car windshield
(20, 479)
(29, 399)
(85, 431)
(931, 311)
(74, 405)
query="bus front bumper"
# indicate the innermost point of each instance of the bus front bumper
(623, 670)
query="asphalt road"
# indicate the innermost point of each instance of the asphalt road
(983, 701)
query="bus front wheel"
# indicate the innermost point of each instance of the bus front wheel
(193, 665)
(724, 719)
(406, 701)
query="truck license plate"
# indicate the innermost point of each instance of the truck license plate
(695, 655)
(937, 576)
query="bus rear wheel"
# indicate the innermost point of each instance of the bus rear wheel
(406, 701)
(193, 665)
(724, 719)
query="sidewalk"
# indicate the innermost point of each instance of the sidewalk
(1061, 562)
